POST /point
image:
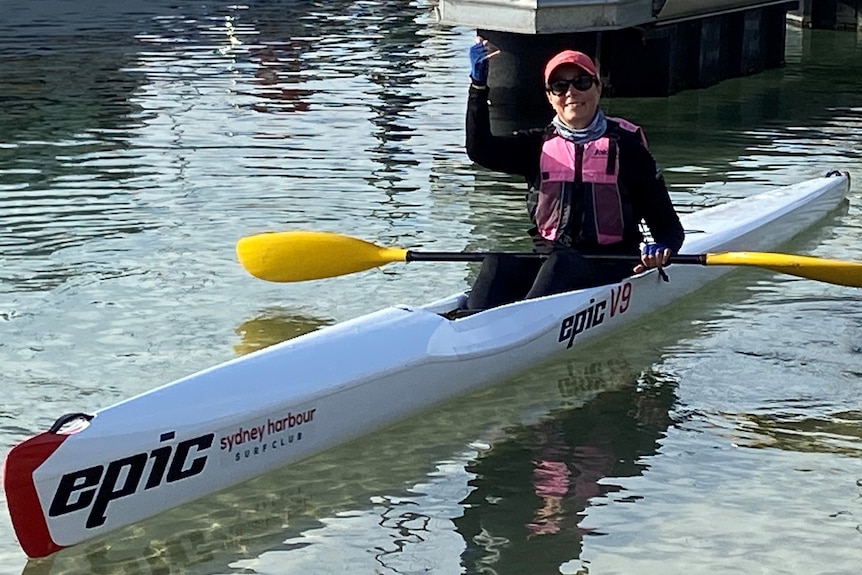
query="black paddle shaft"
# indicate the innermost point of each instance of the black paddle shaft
(413, 256)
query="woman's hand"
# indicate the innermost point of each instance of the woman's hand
(653, 255)
(479, 61)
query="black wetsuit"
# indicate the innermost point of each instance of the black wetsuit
(644, 194)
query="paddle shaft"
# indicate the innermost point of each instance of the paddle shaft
(831, 271)
(416, 256)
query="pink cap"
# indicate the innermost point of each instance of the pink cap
(570, 57)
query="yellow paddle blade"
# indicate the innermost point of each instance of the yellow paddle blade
(831, 271)
(299, 256)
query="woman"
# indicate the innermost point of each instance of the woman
(591, 181)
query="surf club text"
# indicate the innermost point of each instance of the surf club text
(259, 437)
(595, 313)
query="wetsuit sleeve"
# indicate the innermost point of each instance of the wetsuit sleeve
(516, 154)
(650, 196)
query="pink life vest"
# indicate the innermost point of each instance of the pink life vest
(594, 166)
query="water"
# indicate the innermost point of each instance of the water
(138, 141)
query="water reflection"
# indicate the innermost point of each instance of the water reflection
(272, 326)
(837, 432)
(66, 119)
(544, 478)
(276, 78)
(273, 49)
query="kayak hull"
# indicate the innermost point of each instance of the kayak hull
(242, 418)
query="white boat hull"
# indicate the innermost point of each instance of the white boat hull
(242, 418)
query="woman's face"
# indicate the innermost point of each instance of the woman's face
(575, 107)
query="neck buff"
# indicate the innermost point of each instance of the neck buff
(592, 132)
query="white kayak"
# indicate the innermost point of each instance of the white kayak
(90, 474)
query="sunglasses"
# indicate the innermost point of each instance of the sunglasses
(580, 83)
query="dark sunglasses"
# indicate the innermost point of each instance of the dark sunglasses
(581, 84)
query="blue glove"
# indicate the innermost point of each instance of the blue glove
(651, 249)
(479, 63)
